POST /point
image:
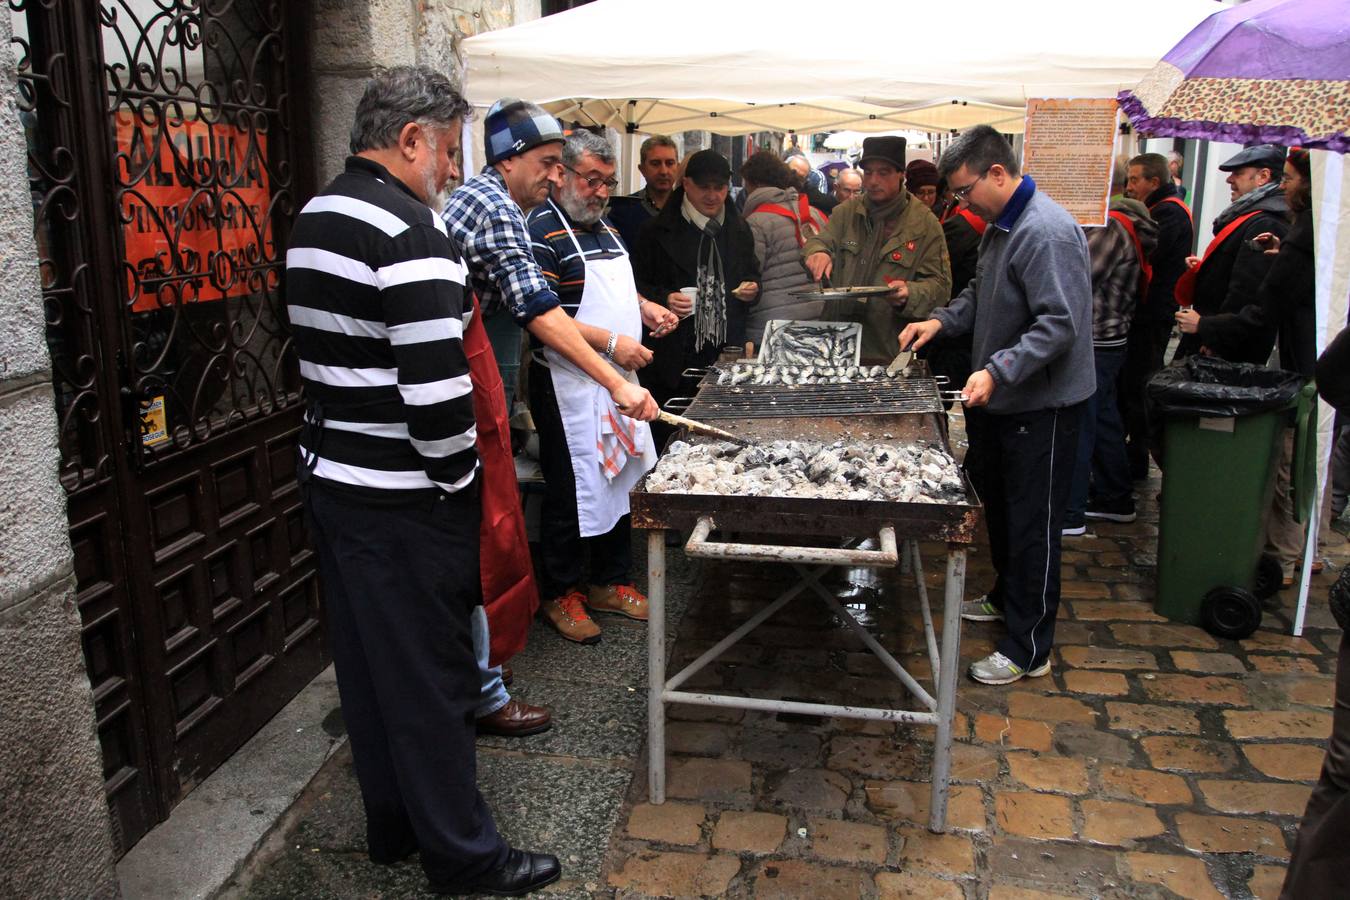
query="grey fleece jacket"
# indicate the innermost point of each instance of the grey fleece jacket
(1030, 309)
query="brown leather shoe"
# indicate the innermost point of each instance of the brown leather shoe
(508, 675)
(516, 719)
(623, 599)
(568, 614)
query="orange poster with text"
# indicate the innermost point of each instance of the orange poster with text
(196, 205)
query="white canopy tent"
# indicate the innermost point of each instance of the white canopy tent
(740, 67)
(1331, 251)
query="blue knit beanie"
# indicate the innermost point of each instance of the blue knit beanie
(514, 126)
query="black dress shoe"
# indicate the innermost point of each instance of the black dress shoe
(388, 853)
(522, 873)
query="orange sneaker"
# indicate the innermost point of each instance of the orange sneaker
(568, 614)
(623, 599)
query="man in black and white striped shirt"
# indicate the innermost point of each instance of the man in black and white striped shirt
(375, 294)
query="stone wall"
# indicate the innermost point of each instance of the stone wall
(55, 834)
(350, 40)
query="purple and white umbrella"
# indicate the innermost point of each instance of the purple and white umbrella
(1266, 71)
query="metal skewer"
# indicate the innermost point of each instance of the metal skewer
(700, 428)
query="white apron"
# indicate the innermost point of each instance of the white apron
(609, 301)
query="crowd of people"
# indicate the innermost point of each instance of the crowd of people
(406, 473)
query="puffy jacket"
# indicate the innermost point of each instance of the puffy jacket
(780, 261)
(914, 250)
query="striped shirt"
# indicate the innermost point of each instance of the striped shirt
(564, 269)
(375, 296)
(488, 224)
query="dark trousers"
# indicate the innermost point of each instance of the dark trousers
(1321, 852)
(562, 549)
(1144, 352)
(1101, 468)
(399, 586)
(1021, 464)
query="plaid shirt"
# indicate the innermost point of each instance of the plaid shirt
(490, 228)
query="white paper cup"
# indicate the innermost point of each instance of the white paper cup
(692, 293)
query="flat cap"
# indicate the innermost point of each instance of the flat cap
(1266, 156)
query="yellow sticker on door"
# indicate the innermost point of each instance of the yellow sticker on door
(154, 426)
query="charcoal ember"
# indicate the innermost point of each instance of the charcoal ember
(850, 470)
(822, 466)
(754, 458)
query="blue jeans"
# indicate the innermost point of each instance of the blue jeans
(493, 695)
(1102, 465)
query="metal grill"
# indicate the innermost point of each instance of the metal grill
(896, 396)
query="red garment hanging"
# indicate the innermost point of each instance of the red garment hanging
(510, 595)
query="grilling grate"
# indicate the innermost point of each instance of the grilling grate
(891, 397)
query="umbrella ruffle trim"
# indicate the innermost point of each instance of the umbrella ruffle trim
(1227, 132)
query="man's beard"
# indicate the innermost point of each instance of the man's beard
(435, 195)
(582, 212)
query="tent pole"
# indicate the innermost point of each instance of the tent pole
(628, 162)
(628, 151)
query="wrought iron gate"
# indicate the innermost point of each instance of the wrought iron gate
(161, 163)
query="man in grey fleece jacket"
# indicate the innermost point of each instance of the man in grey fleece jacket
(1030, 311)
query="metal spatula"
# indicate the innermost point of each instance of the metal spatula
(901, 361)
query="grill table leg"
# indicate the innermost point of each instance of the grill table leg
(656, 665)
(955, 590)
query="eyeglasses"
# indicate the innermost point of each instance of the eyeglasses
(593, 182)
(963, 193)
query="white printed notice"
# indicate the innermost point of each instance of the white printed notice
(1068, 150)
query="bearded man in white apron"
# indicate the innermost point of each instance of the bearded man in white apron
(591, 454)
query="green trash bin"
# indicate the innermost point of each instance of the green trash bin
(1219, 458)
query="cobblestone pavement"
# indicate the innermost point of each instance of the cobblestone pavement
(1153, 762)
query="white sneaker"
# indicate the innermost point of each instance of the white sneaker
(981, 610)
(998, 669)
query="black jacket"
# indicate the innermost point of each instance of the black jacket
(627, 214)
(1285, 310)
(823, 202)
(1231, 278)
(1333, 372)
(1176, 237)
(963, 246)
(664, 260)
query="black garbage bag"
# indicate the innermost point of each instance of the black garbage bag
(1206, 386)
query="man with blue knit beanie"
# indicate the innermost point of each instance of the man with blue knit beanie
(486, 217)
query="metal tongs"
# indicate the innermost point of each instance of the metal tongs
(953, 396)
